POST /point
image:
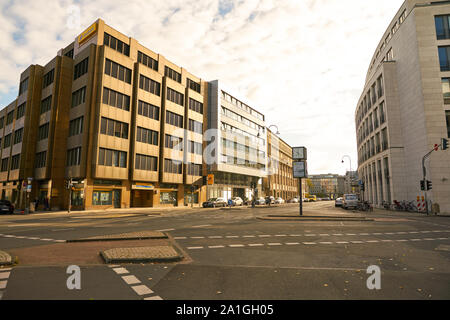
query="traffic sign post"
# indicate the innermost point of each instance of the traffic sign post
(299, 166)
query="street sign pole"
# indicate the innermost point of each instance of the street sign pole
(301, 197)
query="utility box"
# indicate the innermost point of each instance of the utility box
(435, 208)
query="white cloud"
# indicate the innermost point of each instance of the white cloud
(302, 62)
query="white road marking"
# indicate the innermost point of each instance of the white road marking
(154, 298)
(295, 235)
(194, 248)
(166, 230)
(389, 233)
(131, 279)
(113, 266)
(363, 234)
(232, 237)
(3, 284)
(256, 245)
(180, 238)
(377, 234)
(120, 270)
(280, 235)
(292, 243)
(197, 237)
(310, 235)
(342, 242)
(415, 239)
(47, 239)
(236, 245)
(274, 244)
(142, 290)
(357, 242)
(401, 232)
(386, 240)
(249, 236)
(324, 235)
(215, 237)
(202, 226)
(309, 243)
(401, 240)
(6, 269)
(216, 247)
(326, 242)
(264, 235)
(372, 241)
(4, 275)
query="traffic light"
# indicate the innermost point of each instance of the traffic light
(444, 144)
(429, 185)
(422, 185)
(363, 187)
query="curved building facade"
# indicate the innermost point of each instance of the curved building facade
(404, 108)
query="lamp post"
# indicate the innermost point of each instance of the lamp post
(277, 133)
(351, 177)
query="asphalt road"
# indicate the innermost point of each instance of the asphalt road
(237, 256)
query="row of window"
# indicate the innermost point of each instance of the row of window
(147, 163)
(79, 97)
(173, 166)
(147, 61)
(195, 147)
(195, 126)
(114, 128)
(235, 146)
(172, 142)
(174, 119)
(81, 68)
(233, 115)
(149, 85)
(254, 139)
(241, 162)
(23, 86)
(148, 110)
(195, 106)
(116, 99)
(46, 104)
(372, 122)
(241, 105)
(76, 126)
(18, 136)
(375, 92)
(112, 158)
(147, 136)
(73, 157)
(20, 111)
(193, 85)
(373, 146)
(116, 44)
(43, 132)
(194, 169)
(175, 96)
(48, 78)
(117, 71)
(172, 74)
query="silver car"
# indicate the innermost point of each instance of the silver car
(338, 202)
(350, 201)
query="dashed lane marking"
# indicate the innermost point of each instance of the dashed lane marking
(120, 270)
(131, 279)
(142, 290)
(153, 298)
(29, 238)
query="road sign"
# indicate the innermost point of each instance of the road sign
(210, 179)
(299, 153)
(300, 170)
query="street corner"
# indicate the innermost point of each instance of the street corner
(159, 254)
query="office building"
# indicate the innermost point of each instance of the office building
(326, 185)
(404, 109)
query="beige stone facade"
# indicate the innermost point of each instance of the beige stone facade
(401, 114)
(108, 113)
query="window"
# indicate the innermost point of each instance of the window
(116, 44)
(15, 161)
(395, 28)
(102, 198)
(116, 99)
(444, 58)
(46, 104)
(7, 141)
(442, 27)
(384, 138)
(380, 86)
(79, 97)
(172, 142)
(175, 96)
(48, 78)
(382, 113)
(74, 157)
(193, 85)
(195, 126)
(76, 126)
(5, 163)
(112, 158)
(20, 111)
(2, 120)
(148, 110)
(174, 119)
(23, 86)
(147, 136)
(149, 85)
(173, 166)
(194, 169)
(43, 132)
(81, 68)
(194, 147)
(148, 163)
(447, 116)
(388, 38)
(402, 17)
(10, 117)
(446, 90)
(172, 74)
(195, 106)
(147, 61)
(18, 135)
(41, 159)
(69, 54)
(390, 55)
(114, 128)
(117, 71)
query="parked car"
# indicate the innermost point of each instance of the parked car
(279, 200)
(293, 200)
(350, 201)
(305, 199)
(260, 201)
(6, 207)
(338, 202)
(237, 201)
(215, 202)
(270, 200)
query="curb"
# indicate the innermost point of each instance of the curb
(100, 239)
(147, 259)
(299, 218)
(5, 259)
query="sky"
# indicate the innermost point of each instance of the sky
(302, 63)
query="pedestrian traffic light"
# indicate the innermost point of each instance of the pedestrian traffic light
(436, 147)
(444, 144)
(363, 187)
(429, 185)
(422, 185)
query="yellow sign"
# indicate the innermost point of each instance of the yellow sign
(87, 33)
(210, 179)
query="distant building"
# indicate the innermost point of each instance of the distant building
(331, 185)
(351, 182)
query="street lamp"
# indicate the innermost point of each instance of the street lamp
(350, 159)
